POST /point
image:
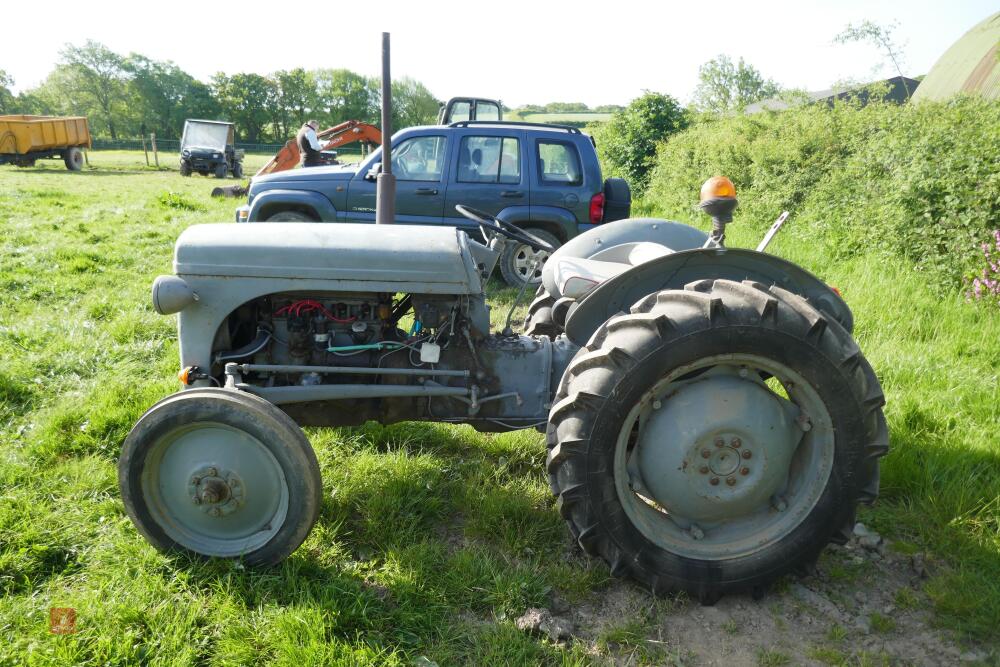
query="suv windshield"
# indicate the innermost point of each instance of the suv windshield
(205, 135)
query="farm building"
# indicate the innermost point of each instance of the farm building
(898, 89)
(971, 65)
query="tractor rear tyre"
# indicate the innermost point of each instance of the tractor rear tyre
(220, 170)
(538, 321)
(220, 473)
(715, 438)
(73, 159)
(237, 170)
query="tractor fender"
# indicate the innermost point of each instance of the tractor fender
(674, 235)
(676, 270)
(271, 201)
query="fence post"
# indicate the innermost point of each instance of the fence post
(145, 152)
(156, 156)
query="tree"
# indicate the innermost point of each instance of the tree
(6, 97)
(248, 100)
(345, 95)
(566, 107)
(725, 86)
(412, 104)
(296, 99)
(163, 95)
(609, 108)
(882, 37)
(98, 75)
(627, 143)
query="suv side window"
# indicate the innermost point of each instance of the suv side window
(559, 163)
(489, 160)
(419, 159)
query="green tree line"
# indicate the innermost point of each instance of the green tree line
(125, 96)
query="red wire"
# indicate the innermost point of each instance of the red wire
(309, 305)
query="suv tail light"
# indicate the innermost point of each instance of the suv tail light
(597, 208)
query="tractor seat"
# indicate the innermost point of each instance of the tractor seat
(577, 276)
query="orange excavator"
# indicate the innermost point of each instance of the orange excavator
(288, 157)
(455, 109)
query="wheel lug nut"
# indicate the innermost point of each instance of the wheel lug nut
(747, 454)
(703, 470)
(705, 453)
(212, 472)
(719, 442)
(744, 471)
(696, 532)
(714, 481)
(196, 480)
(197, 500)
(730, 481)
(736, 442)
(657, 405)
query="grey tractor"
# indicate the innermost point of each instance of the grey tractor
(710, 422)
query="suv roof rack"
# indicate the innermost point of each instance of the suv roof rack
(516, 123)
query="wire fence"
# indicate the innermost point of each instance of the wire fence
(172, 146)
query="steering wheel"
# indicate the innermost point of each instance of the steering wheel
(490, 224)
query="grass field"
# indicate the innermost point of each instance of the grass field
(432, 538)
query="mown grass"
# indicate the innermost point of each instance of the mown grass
(432, 538)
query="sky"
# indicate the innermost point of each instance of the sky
(521, 52)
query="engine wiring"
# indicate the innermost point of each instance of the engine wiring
(306, 306)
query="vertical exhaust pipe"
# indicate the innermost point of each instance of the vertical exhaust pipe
(385, 185)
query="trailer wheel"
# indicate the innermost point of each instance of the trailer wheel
(73, 158)
(220, 170)
(715, 438)
(218, 472)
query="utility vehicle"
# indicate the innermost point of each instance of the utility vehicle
(209, 147)
(710, 422)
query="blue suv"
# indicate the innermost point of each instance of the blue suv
(543, 178)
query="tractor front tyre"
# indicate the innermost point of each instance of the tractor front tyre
(538, 321)
(185, 168)
(220, 170)
(73, 159)
(220, 473)
(715, 438)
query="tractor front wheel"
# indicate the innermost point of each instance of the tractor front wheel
(218, 472)
(538, 321)
(715, 438)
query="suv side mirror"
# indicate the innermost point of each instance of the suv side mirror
(374, 172)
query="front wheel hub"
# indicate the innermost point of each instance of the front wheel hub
(216, 491)
(718, 448)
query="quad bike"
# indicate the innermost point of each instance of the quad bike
(711, 424)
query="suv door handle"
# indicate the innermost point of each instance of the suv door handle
(426, 191)
(512, 194)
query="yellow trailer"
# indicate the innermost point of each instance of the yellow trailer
(24, 139)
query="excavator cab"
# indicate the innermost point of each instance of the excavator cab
(469, 108)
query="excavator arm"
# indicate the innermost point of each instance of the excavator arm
(347, 132)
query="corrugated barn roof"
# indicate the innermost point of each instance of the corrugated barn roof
(971, 65)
